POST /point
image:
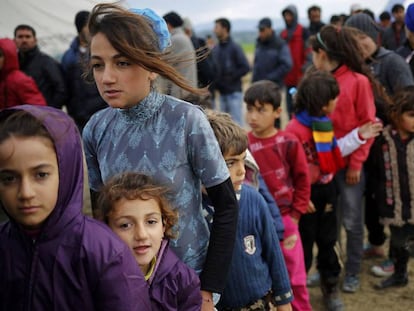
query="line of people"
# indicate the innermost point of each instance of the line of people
(148, 151)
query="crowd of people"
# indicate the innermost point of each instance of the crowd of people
(198, 207)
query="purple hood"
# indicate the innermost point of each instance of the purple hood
(76, 263)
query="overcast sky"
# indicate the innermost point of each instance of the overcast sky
(201, 12)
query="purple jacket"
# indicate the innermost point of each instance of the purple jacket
(173, 285)
(75, 263)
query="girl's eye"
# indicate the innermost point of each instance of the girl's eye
(123, 63)
(42, 175)
(96, 66)
(152, 222)
(125, 225)
(229, 163)
(7, 179)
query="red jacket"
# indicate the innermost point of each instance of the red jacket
(16, 88)
(282, 163)
(355, 107)
(297, 48)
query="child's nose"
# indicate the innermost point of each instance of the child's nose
(108, 75)
(26, 190)
(140, 232)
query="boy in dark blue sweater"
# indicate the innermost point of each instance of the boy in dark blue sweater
(258, 279)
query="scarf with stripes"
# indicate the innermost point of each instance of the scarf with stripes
(329, 154)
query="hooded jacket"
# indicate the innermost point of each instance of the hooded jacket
(296, 36)
(16, 88)
(75, 263)
(173, 285)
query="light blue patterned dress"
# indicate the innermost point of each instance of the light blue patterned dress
(170, 140)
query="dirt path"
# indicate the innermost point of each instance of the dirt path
(370, 299)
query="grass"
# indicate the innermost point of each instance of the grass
(248, 48)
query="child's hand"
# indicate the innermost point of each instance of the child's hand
(207, 303)
(290, 241)
(370, 130)
(286, 307)
(311, 208)
(352, 177)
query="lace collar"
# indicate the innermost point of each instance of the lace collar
(144, 110)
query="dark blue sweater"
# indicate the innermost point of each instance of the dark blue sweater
(257, 265)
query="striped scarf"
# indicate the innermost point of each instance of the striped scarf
(329, 154)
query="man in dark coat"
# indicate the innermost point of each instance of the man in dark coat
(44, 69)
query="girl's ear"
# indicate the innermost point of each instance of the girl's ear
(153, 76)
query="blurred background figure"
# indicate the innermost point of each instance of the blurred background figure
(44, 69)
(83, 97)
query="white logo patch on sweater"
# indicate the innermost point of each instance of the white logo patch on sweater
(249, 244)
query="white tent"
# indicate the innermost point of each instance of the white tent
(53, 20)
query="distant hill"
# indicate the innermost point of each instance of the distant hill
(243, 31)
(244, 24)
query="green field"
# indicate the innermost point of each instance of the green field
(248, 48)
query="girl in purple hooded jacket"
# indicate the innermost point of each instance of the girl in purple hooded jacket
(138, 210)
(52, 257)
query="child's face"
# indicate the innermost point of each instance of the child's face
(121, 83)
(139, 224)
(29, 179)
(261, 119)
(235, 164)
(406, 124)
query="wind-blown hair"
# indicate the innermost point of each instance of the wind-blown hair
(133, 37)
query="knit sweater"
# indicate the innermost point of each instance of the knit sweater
(284, 168)
(257, 264)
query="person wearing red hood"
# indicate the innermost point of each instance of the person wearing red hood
(16, 88)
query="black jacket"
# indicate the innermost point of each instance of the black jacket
(47, 73)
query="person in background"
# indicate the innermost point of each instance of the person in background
(16, 88)
(407, 50)
(394, 36)
(139, 211)
(83, 96)
(168, 139)
(314, 16)
(232, 65)
(181, 49)
(335, 20)
(258, 279)
(394, 74)
(296, 37)
(206, 69)
(338, 51)
(44, 69)
(315, 99)
(53, 256)
(282, 163)
(272, 60)
(394, 187)
(385, 20)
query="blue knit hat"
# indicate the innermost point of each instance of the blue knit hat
(409, 17)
